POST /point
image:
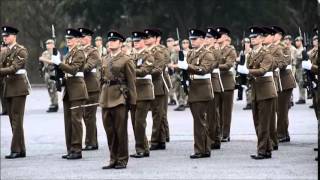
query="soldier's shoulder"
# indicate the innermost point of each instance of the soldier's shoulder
(19, 47)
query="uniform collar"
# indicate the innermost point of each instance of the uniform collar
(12, 45)
(116, 54)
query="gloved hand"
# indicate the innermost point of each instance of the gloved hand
(56, 59)
(243, 69)
(306, 65)
(183, 65)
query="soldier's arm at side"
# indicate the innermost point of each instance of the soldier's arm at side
(146, 68)
(18, 63)
(265, 66)
(231, 57)
(92, 61)
(73, 68)
(131, 78)
(158, 63)
(204, 67)
(285, 60)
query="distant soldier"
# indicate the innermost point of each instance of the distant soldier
(299, 71)
(226, 66)
(102, 52)
(49, 71)
(118, 95)
(247, 50)
(145, 93)
(199, 63)
(92, 61)
(75, 93)
(173, 76)
(16, 89)
(259, 67)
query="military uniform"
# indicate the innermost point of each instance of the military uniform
(226, 67)
(161, 90)
(145, 94)
(288, 83)
(313, 55)
(118, 93)
(2, 99)
(48, 70)
(200, 94)
(15, 92)
(299, 76)
(92, 61)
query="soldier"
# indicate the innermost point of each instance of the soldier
(259, 66)
(75, 93)
(173, 76)
(48, 70)
(214, 110)
(3, 52)
(161, 90)
(247, 50)
(145, 94)
(299, 71)
(287, 82)
(199, 63)
(92, 61)
(226, 66)
(102, 52)
(16, 89)
(313, 66)
(118, 95)
(277, 57)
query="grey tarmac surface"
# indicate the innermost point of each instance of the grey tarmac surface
(44, 134)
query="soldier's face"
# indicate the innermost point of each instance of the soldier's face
(277, 37)
(71, 42)
(114, 44)
(298, 43)
(268, 39)
(98, 43)
(185, 44)
(50, 46)
(150, 41)
(196, 42)
(209, 40)
(170, 42)
(9, 39)
(315, 42)
(85, 40)
(256, 40)
(138, 44)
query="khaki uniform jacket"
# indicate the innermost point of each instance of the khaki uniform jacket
(287, 78)
(277, 57)
(200, 63)
(258, 64)
(75, 86)
(167, 61)
(216, 83)
(313, 56)
(144, 65)
(158, 78)
(228, 58)
(118, 68)
(14, 60)
(92, 61)
(48, 68)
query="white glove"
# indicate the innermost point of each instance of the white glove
(56, 59)
(306, 65)
(183, 65)
(243, 69)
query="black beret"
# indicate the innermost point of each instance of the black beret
(138, 35)
(278, 30)
(223, 30)
(268, 31)
(212, 32)
(7, 30)
(153, 32)
(73, 33)
(86, 32)
(255, 31)
(196, 33)
(113, 35)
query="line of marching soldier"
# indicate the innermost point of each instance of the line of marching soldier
(139, 82)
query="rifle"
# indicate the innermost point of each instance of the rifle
(184, 74)
(41, 64)
(242, 78)
(59, 74)
(308, 77)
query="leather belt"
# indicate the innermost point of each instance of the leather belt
(113, 82)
